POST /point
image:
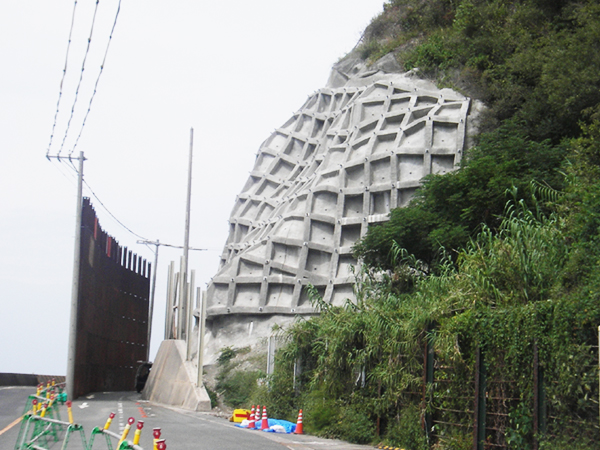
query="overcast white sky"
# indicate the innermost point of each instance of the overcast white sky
(233, 70)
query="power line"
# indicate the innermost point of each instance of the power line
(111, 214)
(98, 79)
(80, 77)
(59, 159)
(62, 79)
(143, 239)
(68, 175)
(162, 244)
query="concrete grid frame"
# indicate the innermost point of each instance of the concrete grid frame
(341, 163)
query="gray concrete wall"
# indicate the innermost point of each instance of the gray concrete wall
(23, 379)
(172, 380)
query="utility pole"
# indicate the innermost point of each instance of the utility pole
(152, 291)
(182, 313)
(75, 285)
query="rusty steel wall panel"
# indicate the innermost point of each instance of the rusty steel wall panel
(112, 316)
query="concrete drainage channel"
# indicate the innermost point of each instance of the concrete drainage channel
(42, 426)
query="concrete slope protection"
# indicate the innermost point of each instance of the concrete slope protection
(355, 150)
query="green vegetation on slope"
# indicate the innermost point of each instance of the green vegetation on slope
(493, 270)
(536, 66)
(238, 379)
(534, 60)
(450, 209)
(508, 296)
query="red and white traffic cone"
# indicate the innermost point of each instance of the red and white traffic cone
(257, 417)
(265, 422)
(251, 419)
(299, 429)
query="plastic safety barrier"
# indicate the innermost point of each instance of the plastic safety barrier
(42, 427)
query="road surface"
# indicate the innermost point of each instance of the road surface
(180, 429)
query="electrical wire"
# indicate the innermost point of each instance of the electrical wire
(181, 246)
(69, 176)
(87, 50)
(134, 233)
(110, 213)
(62, 79)
(57, 157)
(97, 79)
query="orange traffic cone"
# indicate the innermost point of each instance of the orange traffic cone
(299, 429)
(251, 421)
(265, 422)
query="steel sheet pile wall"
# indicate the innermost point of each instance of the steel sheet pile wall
(112, 323)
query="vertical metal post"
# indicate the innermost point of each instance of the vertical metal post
(181, 301)
(539, 399)
(536, 397)
(480, 406)
(190, 315)
(171, 287)
(429, 379)
(201, 331)
(70, 379)
(270, 355)
(294, 380)
(167, 306)
(174, 307)
(151, 306)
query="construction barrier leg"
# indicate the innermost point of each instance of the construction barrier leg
(73, 428)
(41, 424)
(23, 431)
(39, 431)
(96, 431)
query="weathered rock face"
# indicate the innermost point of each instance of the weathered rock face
(356, 149)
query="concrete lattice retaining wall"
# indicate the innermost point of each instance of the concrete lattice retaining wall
(355, 150)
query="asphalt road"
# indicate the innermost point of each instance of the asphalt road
(180, 429)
